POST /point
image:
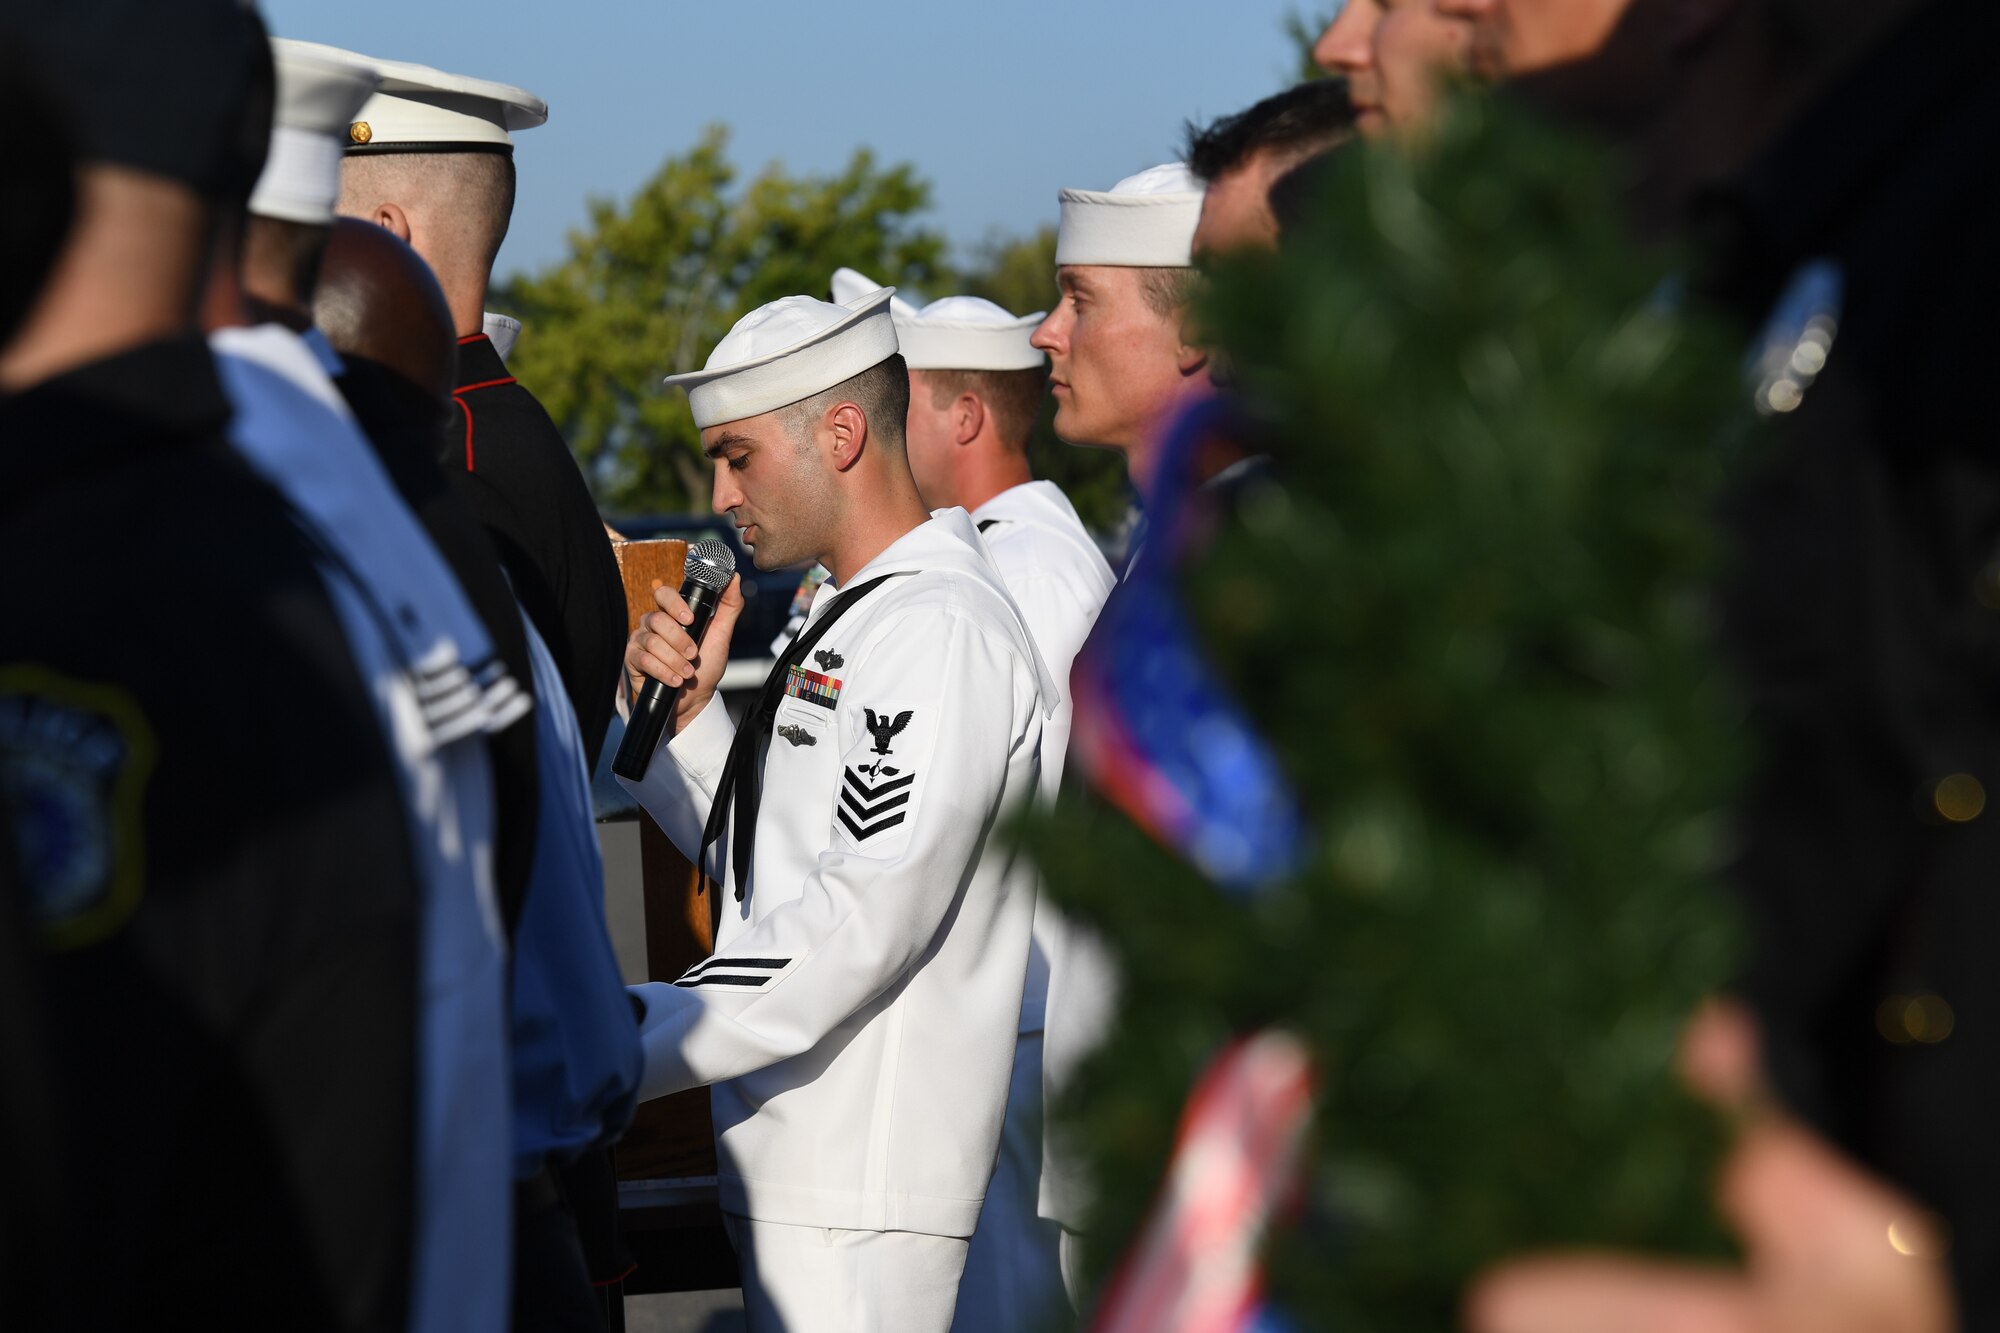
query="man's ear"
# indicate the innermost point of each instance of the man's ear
(849, 425)
(968, 418)
(1191, 360)
(391, 218)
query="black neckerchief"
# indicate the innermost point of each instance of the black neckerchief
(742, 782)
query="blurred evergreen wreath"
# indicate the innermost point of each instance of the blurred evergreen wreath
(1470, 616)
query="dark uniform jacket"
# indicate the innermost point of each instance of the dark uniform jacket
(1864, 616)
(217, 869)
(522, 482)
(401, 422)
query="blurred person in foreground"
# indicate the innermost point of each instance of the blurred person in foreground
(37, 170)
(1844, 234)
(574, 1057)
(976, 388)
(1389, 51)
(1239, 158)
(216, 859)
(439, 691)
(574, 1048)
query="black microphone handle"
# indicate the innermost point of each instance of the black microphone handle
(655, 703)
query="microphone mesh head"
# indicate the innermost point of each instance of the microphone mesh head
(710, 563)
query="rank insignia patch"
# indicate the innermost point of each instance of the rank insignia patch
(74, 760)
(797, 735)
(867, 809)
(812, 687)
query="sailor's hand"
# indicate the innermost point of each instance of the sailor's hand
(1828, 1247)
(662, 649)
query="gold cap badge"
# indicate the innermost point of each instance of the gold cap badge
(360, 132)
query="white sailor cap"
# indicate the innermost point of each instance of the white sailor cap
(1144, 221)
(787, 351)
(418, 109)
(954, 333)
(317, 99)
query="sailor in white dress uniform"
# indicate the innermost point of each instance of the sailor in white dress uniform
(976, 390)
(856, 1022)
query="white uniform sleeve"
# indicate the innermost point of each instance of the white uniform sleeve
(678, 794)
(928, 723)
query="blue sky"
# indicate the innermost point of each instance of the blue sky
(999, 106)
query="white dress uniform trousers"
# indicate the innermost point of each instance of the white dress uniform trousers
(857, 1019)
(1060, 580)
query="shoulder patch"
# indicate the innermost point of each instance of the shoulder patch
(74, 761)
(879, 780)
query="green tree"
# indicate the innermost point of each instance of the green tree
(1470, 622)
(1020, 274)
(648, 288)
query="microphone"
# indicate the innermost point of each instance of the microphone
(709, 567)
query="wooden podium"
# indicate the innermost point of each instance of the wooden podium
(666, 1161)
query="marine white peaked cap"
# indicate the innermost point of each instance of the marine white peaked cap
(317, 100)
(954, 333)
(786, 351)
(1144, 221)
(418, 109)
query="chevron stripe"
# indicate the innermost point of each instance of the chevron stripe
(870, 811)
(863, 834)
(868, 793)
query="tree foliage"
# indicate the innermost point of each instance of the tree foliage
(1469, 619)
(649, 287)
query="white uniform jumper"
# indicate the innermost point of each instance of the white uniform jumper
(428, 661)
(1060, 580)
(857, 1019)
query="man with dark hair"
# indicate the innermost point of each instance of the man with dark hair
(431, 159)
(216, 857)
(1239, 157)
(856, 1024)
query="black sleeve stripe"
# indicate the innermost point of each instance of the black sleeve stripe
(723, 979)
(870, 811)
(774, 964)
(862, 834)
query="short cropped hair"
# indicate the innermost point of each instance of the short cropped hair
(1295, 124)
(882, 392)
(1014, 397)
(471, 195)
(1166, 290)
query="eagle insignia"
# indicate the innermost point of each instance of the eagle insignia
(886, 730)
